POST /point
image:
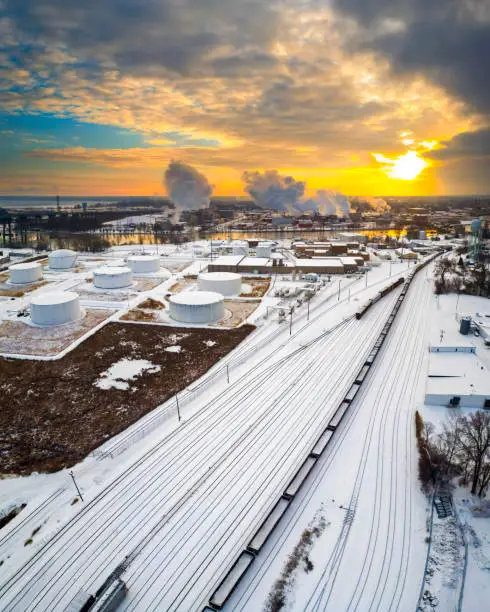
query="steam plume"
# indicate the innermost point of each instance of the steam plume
(186, 187)
(326, 202)
(378, 205)
(271, 190)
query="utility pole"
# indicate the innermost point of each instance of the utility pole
(291, 321)
(308, 315)
(366, 277)
(75, 483)
(338, 298)
(228, 374)
(178, 407)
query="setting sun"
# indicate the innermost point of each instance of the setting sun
(405, 167)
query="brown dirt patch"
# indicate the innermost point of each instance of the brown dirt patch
(260, 286)
(19, 338)
(238, 311)
(12, 291)
(52, 413)
(151, 304)
(139, 315)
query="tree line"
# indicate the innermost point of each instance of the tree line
(461, 450)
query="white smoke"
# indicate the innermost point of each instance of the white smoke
(325, 203)
(378, 205)
(187, 188)
(271, 190)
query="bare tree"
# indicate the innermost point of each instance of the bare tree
(474, 446)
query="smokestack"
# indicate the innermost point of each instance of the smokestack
(272, 190)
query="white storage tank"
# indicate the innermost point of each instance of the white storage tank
(62, 259)
(239, 247)
(226, 283)
(23, 273)
(55, 308)
(263, 249)
(197, 307)
(112, 277)
(144, 264)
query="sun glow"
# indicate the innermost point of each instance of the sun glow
(405, 167)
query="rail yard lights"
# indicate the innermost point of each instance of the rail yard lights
(75, 483)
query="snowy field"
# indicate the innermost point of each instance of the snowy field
(182, 498)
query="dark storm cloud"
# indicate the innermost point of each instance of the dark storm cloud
(447, 40)
(139, 37)
(466, 144)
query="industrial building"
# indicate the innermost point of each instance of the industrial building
(62, 259)
(55, 308)
(276, 264)
(24, 273)
(457, 378)
(197, 307)
(225, 283)
(112, 277)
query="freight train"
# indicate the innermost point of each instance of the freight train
(360, 313)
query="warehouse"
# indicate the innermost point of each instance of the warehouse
(328, 265)
(457, 379)
(350, 264)
(255, 265)
(225, 263)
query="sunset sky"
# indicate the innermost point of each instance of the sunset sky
(386, 97)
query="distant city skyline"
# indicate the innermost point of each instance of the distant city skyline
(378, 98)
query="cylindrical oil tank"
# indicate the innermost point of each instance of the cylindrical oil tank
(112, 277)
(144, 264)
(197, 307)
(62, 259)
(240, 247)
(55, 308)
(23, 273)
(263, 249)
(464, 326)
(226, 283)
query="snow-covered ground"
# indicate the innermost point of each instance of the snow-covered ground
(184, 499)
(371, 554)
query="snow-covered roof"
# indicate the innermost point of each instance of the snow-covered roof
(348, 261)
(62, 253)
(219, 276)
(196, 298)
(144, 258)
(31, 265)
(332, 262)
(227, 260)
(254, 261)
(50, 298)
(112, 270)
